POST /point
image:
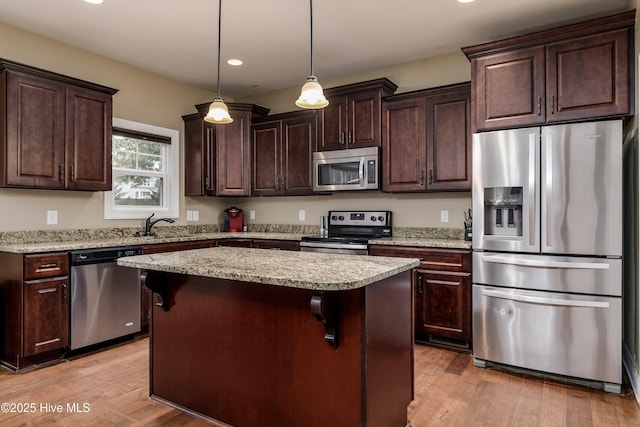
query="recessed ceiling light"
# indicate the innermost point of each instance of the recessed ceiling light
(235, 62)
(465, 1)
(94, 1)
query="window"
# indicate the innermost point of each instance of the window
(145, 171)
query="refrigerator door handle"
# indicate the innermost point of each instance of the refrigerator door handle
(532, 189)
(548, 176)
(498, 259)
(543, 300)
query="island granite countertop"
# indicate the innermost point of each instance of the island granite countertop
(306, 270)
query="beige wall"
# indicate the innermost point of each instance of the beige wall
(152, 99)
(142, 97)
(410, 210)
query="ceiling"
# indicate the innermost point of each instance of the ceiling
(178, 39)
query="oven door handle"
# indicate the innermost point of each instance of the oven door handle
(498, 259)
(543, 300)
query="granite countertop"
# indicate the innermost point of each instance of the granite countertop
(306, 270)
(36, 242)
(422, 242)
(72, 245)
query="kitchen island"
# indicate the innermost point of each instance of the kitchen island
(255, 337)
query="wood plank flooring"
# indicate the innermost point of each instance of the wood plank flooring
(450, 392)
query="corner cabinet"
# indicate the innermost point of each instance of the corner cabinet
(574, 72)
(427, 140)
(56, 130)
(283, 147)
(442, 293)
(34, 308)
(218, 157)
(352, 118)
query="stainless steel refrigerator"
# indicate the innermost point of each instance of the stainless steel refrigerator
(547, 250)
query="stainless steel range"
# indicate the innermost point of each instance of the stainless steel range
(349, 232)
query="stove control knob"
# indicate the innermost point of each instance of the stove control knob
(341, 218)
(373, 218)
(333, 217)
(381, 218)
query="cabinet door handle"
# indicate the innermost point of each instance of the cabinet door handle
(422, 177)
(207, 183)
(430, 176)
(72, 176)
(47, 290)
(61, 172)
(342, 138)
(350, 140)
(420, 290)
(539, 105)
(64, 291)
(553, 103)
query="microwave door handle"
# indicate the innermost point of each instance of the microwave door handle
(361, 173)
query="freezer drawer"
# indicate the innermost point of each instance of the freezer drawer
(598, 276)
(574, 335)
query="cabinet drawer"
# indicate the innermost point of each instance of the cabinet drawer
(46, 265)
(458, 260)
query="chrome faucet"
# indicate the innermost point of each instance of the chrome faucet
(148, 224)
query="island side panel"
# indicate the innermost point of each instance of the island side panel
(253, 355)
(389, 351)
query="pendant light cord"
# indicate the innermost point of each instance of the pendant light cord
(311, 31)
(219, 25)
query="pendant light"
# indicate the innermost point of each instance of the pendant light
(311, 96)
(218, 111)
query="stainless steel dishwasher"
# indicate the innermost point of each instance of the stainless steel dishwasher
(105, 298)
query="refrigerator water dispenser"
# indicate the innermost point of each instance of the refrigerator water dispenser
(503, 211)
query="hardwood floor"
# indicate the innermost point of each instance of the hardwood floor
(449, 392)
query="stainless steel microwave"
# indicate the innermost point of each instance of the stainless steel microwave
(351, 169)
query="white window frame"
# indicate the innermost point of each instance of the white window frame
(170, 208)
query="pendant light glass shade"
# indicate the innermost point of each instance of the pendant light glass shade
(312, 96)
(218, 111)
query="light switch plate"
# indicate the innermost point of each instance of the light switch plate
(444, 216)
(52, 217)
(252, 214)
(196, 215)
(301, 214)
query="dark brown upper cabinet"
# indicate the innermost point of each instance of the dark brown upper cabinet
(426, 143)
(353, 117)
(57, 130)
(218, 157)
(574, 72)
(283, 147)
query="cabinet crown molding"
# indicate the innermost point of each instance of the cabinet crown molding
(6, 64)
(552, 35)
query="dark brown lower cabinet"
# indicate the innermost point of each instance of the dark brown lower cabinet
(442, 293)
(46, 325)
(34, 308)
(442, 307)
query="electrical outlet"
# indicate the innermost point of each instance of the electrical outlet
(196, 215)
(189, 215)
(444, 216)
(52, 217)
(301, 214)
(252, 215)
